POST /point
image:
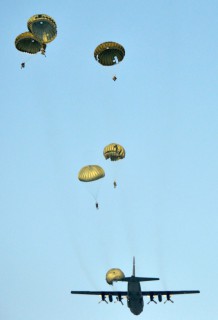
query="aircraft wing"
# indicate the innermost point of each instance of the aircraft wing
(168, 293)
(102, 293)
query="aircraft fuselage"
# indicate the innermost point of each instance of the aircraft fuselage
(134, 298)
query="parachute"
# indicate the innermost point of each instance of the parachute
(114, 152)
(109, 53)
(91, 173)
(114, 274)
(26, 42)
(43, 27)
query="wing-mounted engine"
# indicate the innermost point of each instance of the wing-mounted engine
(152, 299)
(119, 299)
(169, 299)
(160, 298)
(110, 297)
(103, 298)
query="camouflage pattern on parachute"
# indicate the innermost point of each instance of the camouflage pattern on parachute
(91, 173)
(114, 274)
(109, 53)
(43, 27)
(26, 42)
(114, 152)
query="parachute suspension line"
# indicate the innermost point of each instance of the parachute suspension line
(95, 197)
(116, 71)
(98, 189)
(24, 62)
(114, 173)
(29, 58)
(95, 194)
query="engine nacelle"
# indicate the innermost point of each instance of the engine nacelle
(151, 299)
(160, 298)
(110, 298)
(169, 298)
(119, 298)
(103, 298)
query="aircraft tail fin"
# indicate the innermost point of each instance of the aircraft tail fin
(133, 268)
(127, 279)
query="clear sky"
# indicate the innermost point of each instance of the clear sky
(57, 115)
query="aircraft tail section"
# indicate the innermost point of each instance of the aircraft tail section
(139, 279)
(146, 279)
(134, 278)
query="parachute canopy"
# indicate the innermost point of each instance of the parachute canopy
(91, 173)
(109, 53)
(114, 274)
(26, 42)
(114, 152)
(43, 27)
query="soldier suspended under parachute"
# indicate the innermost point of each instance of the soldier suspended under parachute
(114, 152)
(26, 42)
(91, 173)
(109, 53)
(42, 30)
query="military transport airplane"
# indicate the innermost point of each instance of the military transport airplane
(134, 294)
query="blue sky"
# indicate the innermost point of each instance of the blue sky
(57, 115)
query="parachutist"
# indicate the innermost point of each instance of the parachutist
(43, 51)
(115, 184)
(96, 205)
(22, 65)
(114, 78)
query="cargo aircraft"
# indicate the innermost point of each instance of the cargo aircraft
(134, 294)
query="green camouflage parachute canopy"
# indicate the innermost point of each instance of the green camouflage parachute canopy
(91, 173)
(26, 42)
(114, 274)
(43, 27)
(114, 152)
(109, 53)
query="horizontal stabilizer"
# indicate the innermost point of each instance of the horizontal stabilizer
(128, 279)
